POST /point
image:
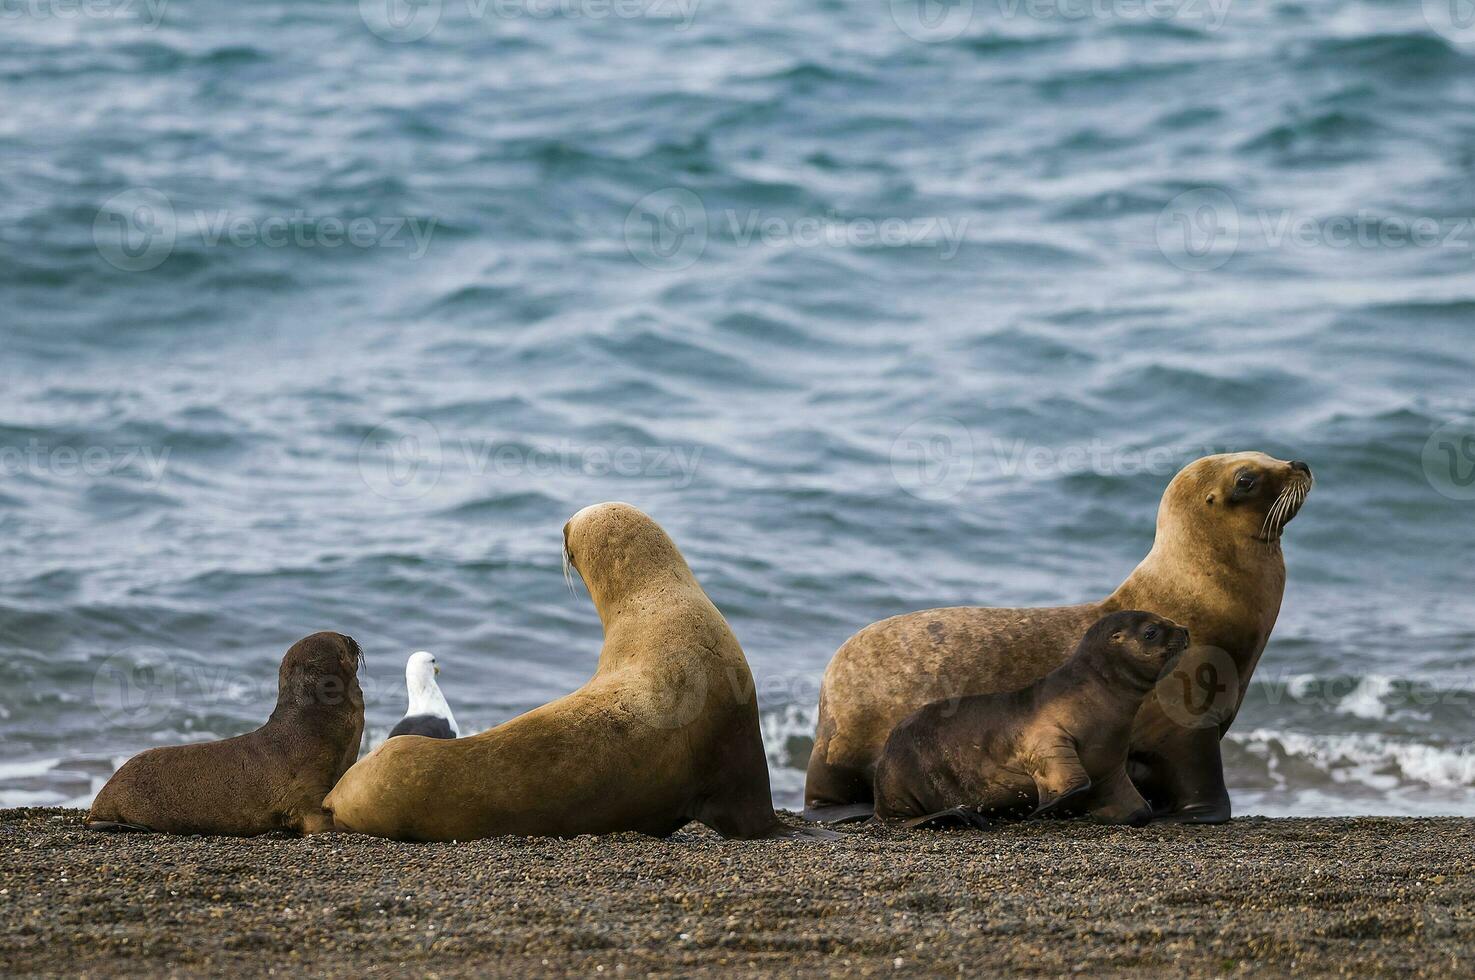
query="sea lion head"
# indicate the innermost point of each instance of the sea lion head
(1140, 644)
(321, 670)
(617, 550)
(1234, 498)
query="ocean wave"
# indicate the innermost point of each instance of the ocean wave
(1373, 761)
(1407, 56)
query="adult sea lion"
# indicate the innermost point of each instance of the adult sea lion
(274, 778)
(1058, 745)
(665, 732)
(1215, 566)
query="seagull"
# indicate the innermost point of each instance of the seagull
(428, 714)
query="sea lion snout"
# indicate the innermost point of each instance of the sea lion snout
(1300, 466)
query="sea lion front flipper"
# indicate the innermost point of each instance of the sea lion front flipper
(315, 822)
(1059, 776)
(1117, 801)
(845, 813)
(964, 815)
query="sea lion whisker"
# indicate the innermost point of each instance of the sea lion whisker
(568, 575)
(1282, 506)
(1272, 524)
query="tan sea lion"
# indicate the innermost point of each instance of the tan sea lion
(1215, 566)
(664, 733)
(1054, 747)
(274, 778)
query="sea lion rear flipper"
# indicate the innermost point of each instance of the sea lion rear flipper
(114, 826)
(1117, 801)
(801, 833)
(843, 813)
(958, 815)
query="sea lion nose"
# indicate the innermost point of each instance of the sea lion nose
(1299, 465)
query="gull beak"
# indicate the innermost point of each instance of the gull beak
(437, 668)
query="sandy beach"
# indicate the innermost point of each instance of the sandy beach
(1365, 896)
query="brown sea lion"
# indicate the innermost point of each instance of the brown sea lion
(1057, 746)
(1215, 566)
(274, 778)
(664, 733)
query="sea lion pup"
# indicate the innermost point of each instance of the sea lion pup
(428, 713)
(1215, 566)
(665, 732)
(274, 778)
(1059, 744)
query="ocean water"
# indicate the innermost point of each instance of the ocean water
(328, 315)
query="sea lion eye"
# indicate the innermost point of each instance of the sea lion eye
(1150, 634)
(1246, 481)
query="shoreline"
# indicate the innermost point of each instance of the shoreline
(1381, 896)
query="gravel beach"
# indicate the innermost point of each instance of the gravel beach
(1365, 896)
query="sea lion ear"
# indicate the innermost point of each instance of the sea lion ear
(1116, 637)
(1209, 500)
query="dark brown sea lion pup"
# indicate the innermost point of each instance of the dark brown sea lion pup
(274, 778)
(664, 733)
(1215, 566)
(1059, 744)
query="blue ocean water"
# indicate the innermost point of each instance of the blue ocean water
(324, 315)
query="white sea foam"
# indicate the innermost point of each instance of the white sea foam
(1367, 698)
(27, 768)
(1372, 760)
